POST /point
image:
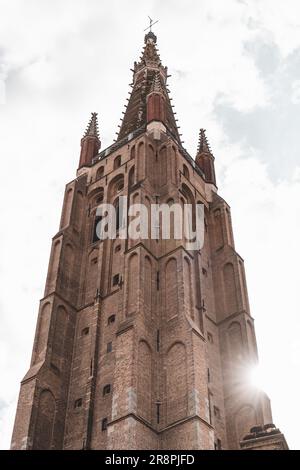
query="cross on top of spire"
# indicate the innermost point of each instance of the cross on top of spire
(150, 35)
(203, 145)
(151, 24)
(92, 128)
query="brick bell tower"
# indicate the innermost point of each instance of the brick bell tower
(143, 344)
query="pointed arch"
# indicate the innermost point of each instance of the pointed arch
(230, 291)
(69, 258)
(132, 283)
(44, 426)
(218, 229)
(148, 286)
(79, 210)
(59, 336)
(53, 270)
(235, 341)
(176, 364)
(100, 172)
(42, 333)
(186, 172)
(114, 185)
(163, 165)
(188, 291)
(171, 289)
(131, 176)
(91, 275)
(144, 388)
(117, 162)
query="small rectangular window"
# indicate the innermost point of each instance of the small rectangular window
(217, 412)
(85, 331)
(109, 347)
(104, 424)
(106, 390)
(111, 319)
(78, 403)
(97, 221)
(116, 279)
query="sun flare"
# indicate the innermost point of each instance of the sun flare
(258, 377)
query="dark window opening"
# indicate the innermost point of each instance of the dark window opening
(116, 280)
(104, 424)
(119, 214)
(109, 347)
(158, 411)
(186, 172)
(78, 403)
(106, 390)
(98, 219)
(217, 412)
(117, 162)
(111, 319)
(118, 248)
(204, 272)
(99, 199)
(210, 338)
(85, 331)
(100, 172)
(157, 340)
(120, 186)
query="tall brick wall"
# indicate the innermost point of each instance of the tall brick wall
(151, 361)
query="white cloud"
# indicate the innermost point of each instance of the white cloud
(296, 92)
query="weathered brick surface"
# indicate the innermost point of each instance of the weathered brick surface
(181, 328)
(141, 344)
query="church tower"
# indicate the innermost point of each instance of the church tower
(143, 343)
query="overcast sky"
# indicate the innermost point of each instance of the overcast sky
(235, 68)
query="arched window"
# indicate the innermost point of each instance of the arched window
(119, 213)
(115, 186)
(120, 186)
(100, 198)
(106, 390)
(100, 172)
(186, 173)
(117, 162)
(131, 177)
(97, 221)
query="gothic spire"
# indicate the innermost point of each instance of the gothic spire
(92, 128)
(205, 159)
(203, 145)
(90, 142)
(149, 75)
